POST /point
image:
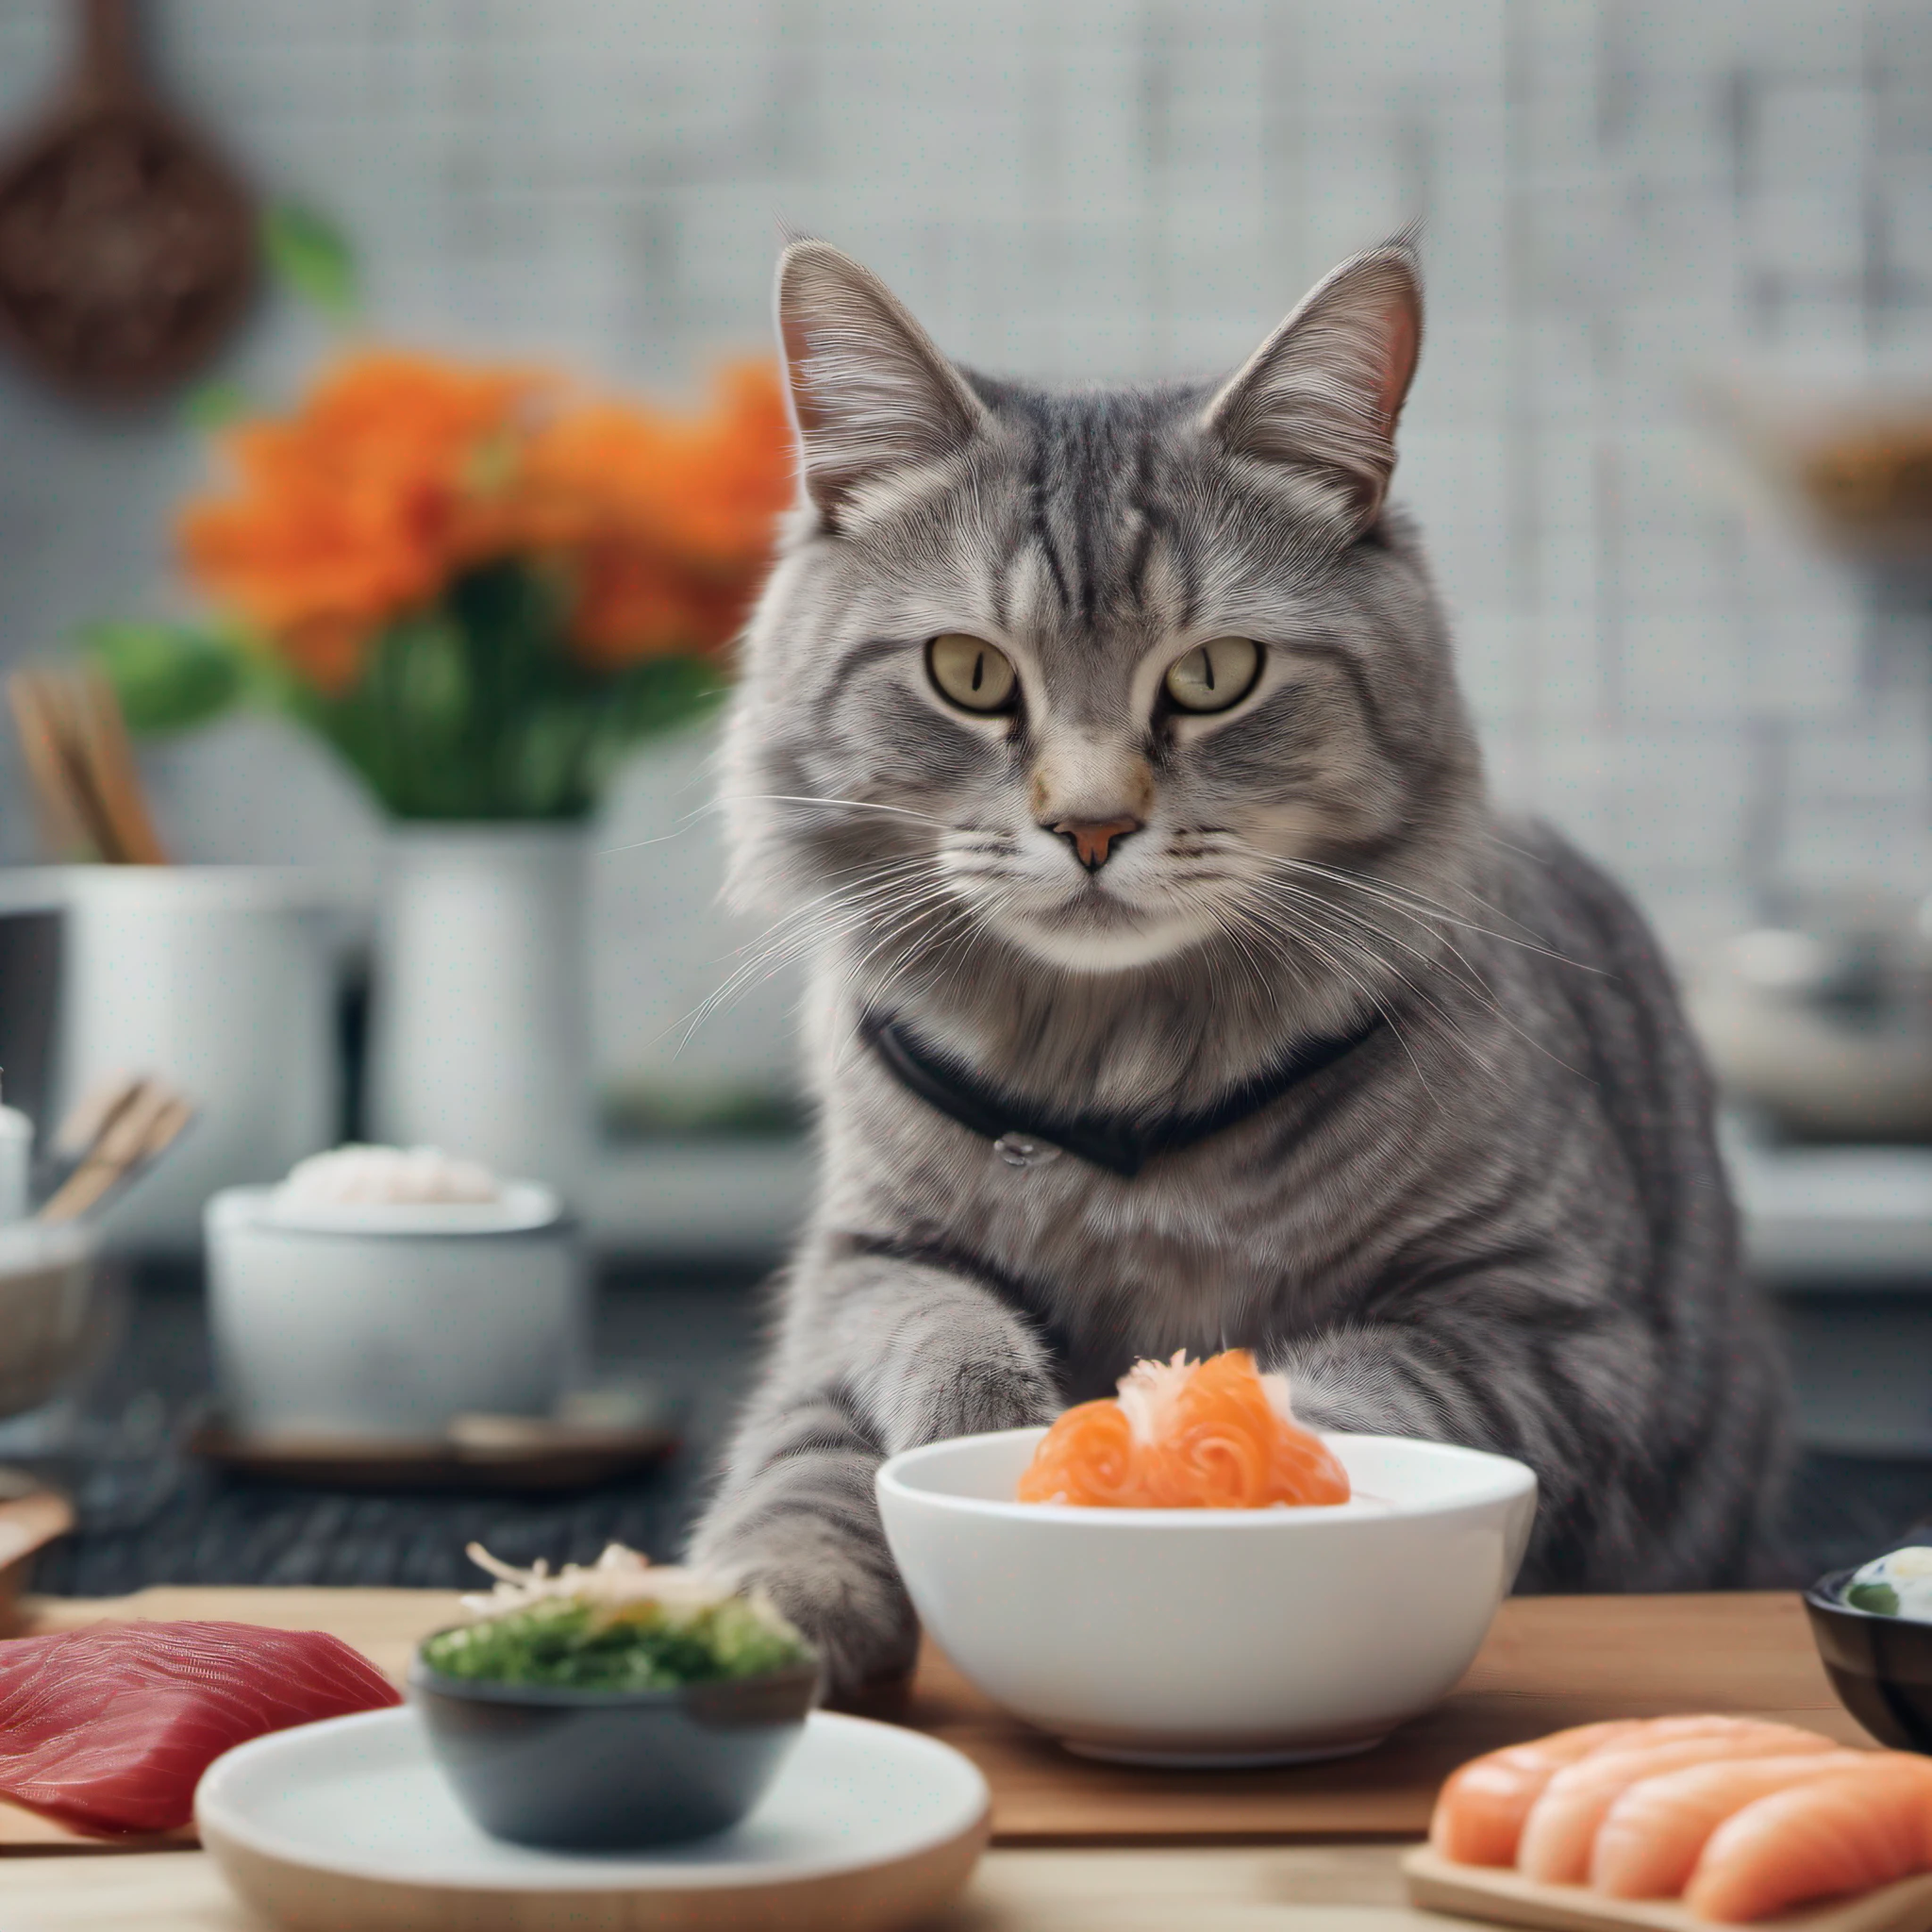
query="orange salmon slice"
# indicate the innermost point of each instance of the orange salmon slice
(1865, 1827)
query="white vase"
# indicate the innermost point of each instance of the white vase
(480, 1031)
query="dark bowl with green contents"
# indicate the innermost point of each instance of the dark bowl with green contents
(565, 1725)
(1879, 1664)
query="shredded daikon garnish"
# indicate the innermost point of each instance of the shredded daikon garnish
(620, 1575)
(1148, 1391)
(1275, 1386)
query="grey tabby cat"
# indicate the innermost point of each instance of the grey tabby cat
(1103, 753)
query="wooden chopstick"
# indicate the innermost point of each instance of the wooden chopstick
(85, 782)
(139, 1133)
(65, 832)
(90, 1116)
(109, 757)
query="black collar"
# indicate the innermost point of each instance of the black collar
(1122, 1144)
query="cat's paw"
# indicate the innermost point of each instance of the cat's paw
(997, 1391)
(994, 1395)
(847, 1598)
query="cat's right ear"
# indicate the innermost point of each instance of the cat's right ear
(870, 392)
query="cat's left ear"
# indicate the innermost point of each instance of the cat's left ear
(1321, 396)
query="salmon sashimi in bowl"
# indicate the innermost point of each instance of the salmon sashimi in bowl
(1182, 1435)
(1182, 1573)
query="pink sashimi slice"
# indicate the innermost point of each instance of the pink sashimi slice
(1561, 1831)
(110, 1726)
(1649, 1842)
(1863, 1828)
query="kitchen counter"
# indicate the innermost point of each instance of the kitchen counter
(1845, 1218)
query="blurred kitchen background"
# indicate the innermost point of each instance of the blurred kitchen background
(1671, 445)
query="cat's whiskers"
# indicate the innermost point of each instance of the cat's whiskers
(904, 811)
(1417, 905)
(1422, 915)
(1468, 979)
(1252, 917)
(796, 932)
(680, 827)
(1335, 921)
(959, 921)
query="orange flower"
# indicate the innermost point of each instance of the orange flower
(345, 510)
(672, 517)
(402, 471)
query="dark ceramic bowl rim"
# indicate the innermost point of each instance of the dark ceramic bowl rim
(424, 1676)
(1824, 1595)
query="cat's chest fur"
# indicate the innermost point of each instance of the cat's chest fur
(1274, 1227)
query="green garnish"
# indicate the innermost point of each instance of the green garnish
(1879, 1598)
(644, 1645)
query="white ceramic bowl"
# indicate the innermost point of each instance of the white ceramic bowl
(47, 1283)
(365, 1319)
(1211, 1635)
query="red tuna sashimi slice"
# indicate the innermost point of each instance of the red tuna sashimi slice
(110, 1726)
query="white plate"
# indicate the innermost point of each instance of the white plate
(348, 1822)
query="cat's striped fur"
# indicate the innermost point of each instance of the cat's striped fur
(1501, 1221)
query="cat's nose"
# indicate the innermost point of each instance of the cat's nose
(1092, 840)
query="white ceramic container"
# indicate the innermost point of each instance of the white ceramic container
(380, 1320)
(16, 1163)
(46, 1281)
(219, 978)
(481, 1028)
(1212, 1637)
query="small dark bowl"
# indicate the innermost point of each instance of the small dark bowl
(1881, 1667)
(611, 1770)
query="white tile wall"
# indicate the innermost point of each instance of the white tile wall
(1619, 197)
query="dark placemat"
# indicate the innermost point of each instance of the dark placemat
(149, 1514)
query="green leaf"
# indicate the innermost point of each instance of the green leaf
(480, 710)
(312, 257)
(1879, 1598)
(169, 678)
(214, 404)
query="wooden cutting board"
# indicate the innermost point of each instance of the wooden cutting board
(1508, 1898)
(1549, 1661)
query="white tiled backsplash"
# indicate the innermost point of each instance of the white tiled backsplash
(1619, 197)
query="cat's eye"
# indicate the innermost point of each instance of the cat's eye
(969, 672)
(1215, 675)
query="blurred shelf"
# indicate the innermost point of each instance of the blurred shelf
(698, 1199)
(1852, 1218)
(703, 1198)
(1820, 1218)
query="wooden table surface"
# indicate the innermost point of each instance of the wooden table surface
(1243, 1850)
(1286, 1888)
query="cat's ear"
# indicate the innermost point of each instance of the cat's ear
(1320, 398)
(870, 392)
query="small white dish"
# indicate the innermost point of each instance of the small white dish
(372, 1320)
(349, 1823)
(1212, 1637)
